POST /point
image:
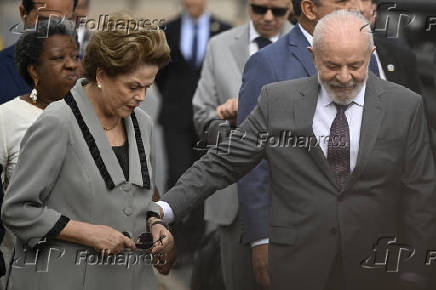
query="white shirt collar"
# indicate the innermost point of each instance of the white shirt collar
(325, 99)
(306, 34)
(254, 34)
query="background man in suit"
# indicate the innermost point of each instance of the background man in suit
(289, 59)
(363, 172)
(11, 83)
(215, 100)
(83, 35)
(187, 36)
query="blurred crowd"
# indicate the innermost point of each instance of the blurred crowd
(72, 120)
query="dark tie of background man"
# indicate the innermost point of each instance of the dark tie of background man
(373, 65)
(262, 42)
(194, 55)
(338, 153)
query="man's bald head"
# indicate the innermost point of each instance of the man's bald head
(343, 28)
(342, 47)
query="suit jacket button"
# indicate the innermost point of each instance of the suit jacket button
(333, 231)
(128, 211)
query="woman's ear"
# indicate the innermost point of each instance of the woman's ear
(99, 76)
(31, 69)
(308, 8)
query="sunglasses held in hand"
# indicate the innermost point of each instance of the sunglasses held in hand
(261, 10)
(145, 240)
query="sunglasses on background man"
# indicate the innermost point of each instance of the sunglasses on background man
(261, 10)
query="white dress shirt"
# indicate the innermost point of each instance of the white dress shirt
(323, 118)
(253, 48)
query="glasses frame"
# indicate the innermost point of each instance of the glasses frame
(262, 10)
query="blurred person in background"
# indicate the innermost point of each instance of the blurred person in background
(84, 181)
(187, 36)
(51, 67)
(292, 16)
(83, 35)
(11, 83)
(215, 104)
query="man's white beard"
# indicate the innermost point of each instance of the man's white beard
(345, 99)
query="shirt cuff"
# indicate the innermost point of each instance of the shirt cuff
(168, 216)
(259, 242)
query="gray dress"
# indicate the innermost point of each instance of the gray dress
(67, 168)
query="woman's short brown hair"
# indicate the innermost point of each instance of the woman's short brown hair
(117, 51)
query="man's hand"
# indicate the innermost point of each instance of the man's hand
(259, 258)
(228, 110)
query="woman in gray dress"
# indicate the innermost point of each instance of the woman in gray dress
(81, 195)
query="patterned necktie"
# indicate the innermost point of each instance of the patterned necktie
(262, 42)
(338, 153)
(373, 66)
(194, 54)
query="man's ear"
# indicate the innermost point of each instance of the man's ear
(308, 8)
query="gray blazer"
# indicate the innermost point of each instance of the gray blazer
(221, 79)
(391, 192)
(57, 175)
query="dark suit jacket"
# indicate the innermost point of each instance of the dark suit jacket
(286, 59)
(177, 81)
(391, 191)
(289, 59)
(11, 83)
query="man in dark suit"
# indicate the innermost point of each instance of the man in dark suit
(187, 37)
(350, 163)
(11, 83)
(289, 59)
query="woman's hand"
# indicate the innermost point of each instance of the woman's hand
(163, 250)
(100, 237)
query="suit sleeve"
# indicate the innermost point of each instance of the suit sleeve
(254, 200)
(419, 196)
(234, 157)
(43, 149)
(205, 99)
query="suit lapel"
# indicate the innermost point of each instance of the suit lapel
(371, 121)
(299, 45)
(239, 48)
(90, 117)
(304, 111)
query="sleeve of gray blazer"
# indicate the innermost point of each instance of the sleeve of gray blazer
(224, 165)
(205, 99)
(43, 149)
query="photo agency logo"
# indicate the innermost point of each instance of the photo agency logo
(391, 20)
(104, 22)
(40, 257)
(388, 254)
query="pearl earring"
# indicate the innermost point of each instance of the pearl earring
(34, 94)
